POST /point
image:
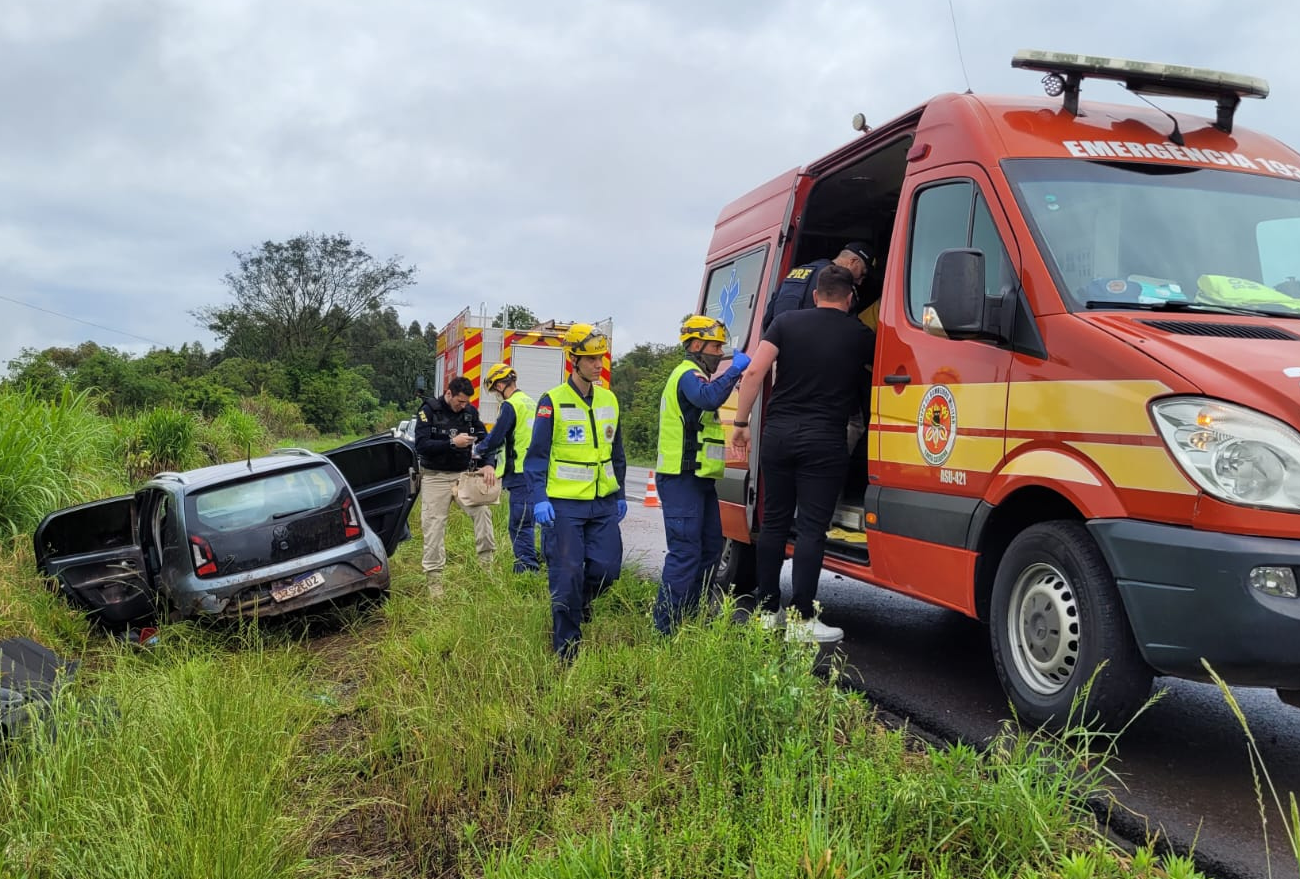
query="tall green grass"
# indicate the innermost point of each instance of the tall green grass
(161, 439)
(52, 454)
(444, 739)
(716, 753)
(232, 435)
(182, 763)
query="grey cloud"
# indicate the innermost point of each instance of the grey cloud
(572, 160)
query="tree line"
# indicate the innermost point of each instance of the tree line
(310, 323)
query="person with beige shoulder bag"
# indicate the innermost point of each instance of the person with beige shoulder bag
(446, 429)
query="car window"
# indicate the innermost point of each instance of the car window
(254, 502)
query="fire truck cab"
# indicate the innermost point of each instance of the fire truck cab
(1085, 424)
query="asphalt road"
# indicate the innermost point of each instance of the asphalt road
(1183, 764)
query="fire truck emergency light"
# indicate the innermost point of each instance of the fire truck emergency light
(1065, 71)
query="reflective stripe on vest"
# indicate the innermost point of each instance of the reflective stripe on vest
(582, 444)
(525, 410)
(703, 452)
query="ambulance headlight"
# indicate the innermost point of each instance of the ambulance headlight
(1233, 453)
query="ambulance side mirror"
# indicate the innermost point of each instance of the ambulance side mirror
(957, 307)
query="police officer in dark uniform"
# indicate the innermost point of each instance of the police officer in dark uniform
(446, 429)
(796, 290)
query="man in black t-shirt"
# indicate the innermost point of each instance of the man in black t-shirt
(823, 356)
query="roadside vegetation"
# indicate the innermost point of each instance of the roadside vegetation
(445, 740)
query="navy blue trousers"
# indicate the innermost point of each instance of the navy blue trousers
(693, 528)
(523, 530)
(584, 555)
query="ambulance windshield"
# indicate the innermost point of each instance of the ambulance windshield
(1130, 235)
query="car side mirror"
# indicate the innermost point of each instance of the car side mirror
(956, 309)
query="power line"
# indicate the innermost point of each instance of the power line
(80, 321)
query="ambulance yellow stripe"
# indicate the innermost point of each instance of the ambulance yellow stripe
(974, 453)
(1115, 407)
(1143, 467)
(979, 406)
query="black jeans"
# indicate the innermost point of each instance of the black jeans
(804, 470)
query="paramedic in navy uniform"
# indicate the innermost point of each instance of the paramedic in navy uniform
(575, 469)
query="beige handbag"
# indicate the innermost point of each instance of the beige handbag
(472, 490)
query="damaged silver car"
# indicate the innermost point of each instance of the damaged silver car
(255, 538)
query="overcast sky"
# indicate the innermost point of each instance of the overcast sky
(571, 161)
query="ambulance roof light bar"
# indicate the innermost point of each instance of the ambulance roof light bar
(1066, 71)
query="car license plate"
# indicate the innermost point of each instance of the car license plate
(298, 587)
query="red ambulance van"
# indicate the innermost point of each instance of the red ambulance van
(1085, 425)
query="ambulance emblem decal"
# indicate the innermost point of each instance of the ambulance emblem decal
(936, 425)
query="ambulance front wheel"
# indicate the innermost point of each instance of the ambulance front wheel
(1056, 617)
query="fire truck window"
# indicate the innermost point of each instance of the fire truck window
(940, 221)
(732, 291)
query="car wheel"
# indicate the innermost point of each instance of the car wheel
(1056, 616)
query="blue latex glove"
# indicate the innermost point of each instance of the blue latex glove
(544, 513)
(740, 362)
(622, 509)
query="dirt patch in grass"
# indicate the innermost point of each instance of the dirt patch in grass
(360, 834)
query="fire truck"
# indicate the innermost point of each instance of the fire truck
(469, 345)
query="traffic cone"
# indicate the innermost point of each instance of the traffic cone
(651, 493)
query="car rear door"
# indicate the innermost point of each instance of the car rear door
(381, 470)
(93, 551)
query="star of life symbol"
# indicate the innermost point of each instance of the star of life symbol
(727, 300)
(576, 433)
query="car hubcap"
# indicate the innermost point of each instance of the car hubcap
(724, 560)
(1043, 625)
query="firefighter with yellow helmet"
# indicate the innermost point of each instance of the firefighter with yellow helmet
(513, 431)
(692, 457)
(575, 469)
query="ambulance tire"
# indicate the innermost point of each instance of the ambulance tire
(1056, 615)
(736, 571)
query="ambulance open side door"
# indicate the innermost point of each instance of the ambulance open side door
(747, 260)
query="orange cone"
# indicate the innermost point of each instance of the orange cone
(651, 493)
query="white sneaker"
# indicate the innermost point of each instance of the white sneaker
(813, 631)
(772, 621)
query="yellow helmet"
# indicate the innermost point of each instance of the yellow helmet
(699, 326)
(585, 340)
(500, 372)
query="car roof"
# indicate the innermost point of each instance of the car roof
(202, 477)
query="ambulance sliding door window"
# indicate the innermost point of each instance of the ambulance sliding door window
(732, 292)
(947, 216)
